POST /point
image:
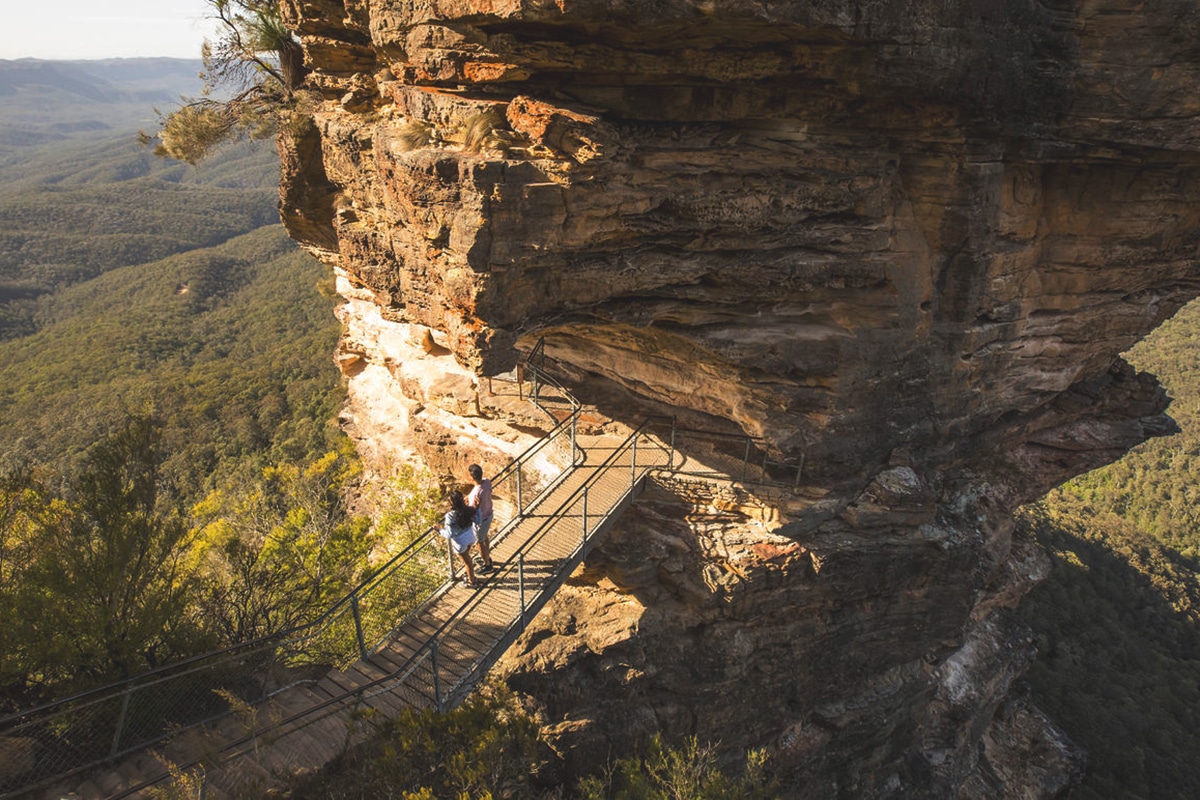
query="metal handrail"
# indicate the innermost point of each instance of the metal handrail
(428, 649)
(154, 675)
(295, 637)
(304, 635)
(743, 468)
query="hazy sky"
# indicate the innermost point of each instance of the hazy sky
(103, 28)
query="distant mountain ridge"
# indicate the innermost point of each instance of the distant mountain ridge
(80, 196)
(108, 80)
(95, 228)
(61, 97)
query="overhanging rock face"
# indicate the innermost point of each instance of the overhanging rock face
(883, 237)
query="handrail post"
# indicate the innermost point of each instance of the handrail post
(521, 586)
(265, 684)
(116, 744)
(358, 629)
(520, 505)
(574, 417)
(586, 488)
(437, 688)
(671, 455)
(746, 459)
(633, 464)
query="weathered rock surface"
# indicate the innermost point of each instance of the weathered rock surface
(904, 242)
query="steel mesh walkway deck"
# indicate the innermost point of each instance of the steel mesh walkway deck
(260, 709)
(432, 660)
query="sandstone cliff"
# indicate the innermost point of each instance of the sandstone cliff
(901, 243)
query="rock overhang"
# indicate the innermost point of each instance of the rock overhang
(847, 229)
(905, 243)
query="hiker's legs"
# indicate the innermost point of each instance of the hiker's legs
(481, 537)
(470, 564)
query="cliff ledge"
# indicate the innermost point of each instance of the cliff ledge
(902, 245)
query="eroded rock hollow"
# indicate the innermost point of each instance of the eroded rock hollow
(903, 244)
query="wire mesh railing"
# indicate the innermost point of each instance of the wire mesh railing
(103, 725)
(99, 726)
(446, 664)
(442, 671)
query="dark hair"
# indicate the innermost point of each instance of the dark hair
(464, 515)
(476, 472)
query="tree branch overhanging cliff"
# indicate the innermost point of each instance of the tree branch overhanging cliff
(255, 67)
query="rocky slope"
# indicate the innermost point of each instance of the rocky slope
(904, 243)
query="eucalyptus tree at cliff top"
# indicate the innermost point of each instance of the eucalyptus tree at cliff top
(251, 73)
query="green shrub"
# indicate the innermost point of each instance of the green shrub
(486, 748)
(688, 772)
(279, 549)
(96, 588)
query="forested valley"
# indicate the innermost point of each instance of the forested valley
(1117, 623)
(172, 477)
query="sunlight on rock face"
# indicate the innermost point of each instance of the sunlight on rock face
(903, 248)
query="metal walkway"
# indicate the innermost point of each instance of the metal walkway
(551, 505)
(437, 656)
(242, 718)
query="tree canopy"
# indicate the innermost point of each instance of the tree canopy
(1118, 620)
(251, 74)
(92, 583)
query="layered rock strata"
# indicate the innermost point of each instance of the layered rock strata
(903, 244)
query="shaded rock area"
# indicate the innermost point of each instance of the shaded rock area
(901, 244)
(867, 660)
